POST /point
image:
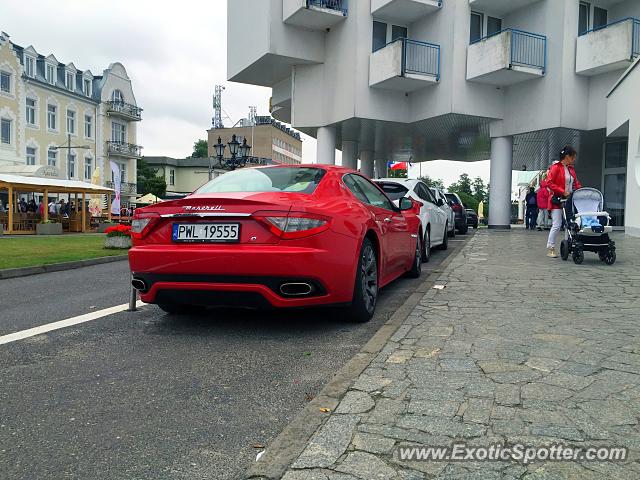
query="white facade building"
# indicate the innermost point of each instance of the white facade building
(510, 80)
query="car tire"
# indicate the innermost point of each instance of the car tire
(464, 230)
(365, 291)
(416, 267)
(179, 308)
(426, 246)
(452, 233)
(445, 239)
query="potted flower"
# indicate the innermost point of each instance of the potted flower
(118, 236)
(49, 228)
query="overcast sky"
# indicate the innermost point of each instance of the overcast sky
(175, 55)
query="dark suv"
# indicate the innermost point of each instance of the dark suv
(460, 212)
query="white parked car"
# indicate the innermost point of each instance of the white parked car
(434, 220)
(445, 205)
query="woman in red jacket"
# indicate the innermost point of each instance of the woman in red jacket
(543, 198)
(562, 181)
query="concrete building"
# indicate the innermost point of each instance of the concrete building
(183, 175)
(269, 139)
(43, 101)
(509, 80)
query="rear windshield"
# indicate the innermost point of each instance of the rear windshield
(394, 191)
(274, 179)
(453, 198)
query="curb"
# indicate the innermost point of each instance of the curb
(58, 267)
(290, 443)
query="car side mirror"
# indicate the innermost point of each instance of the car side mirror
(405, 204)
(440, 202)
(450, 203)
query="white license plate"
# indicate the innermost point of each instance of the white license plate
(206, 232)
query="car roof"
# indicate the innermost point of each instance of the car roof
(404, 181)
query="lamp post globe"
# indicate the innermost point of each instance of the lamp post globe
(219, 148)
(233, 146)
(244, 149)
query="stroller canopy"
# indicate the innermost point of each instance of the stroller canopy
(587, 200)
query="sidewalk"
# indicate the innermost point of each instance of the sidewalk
(518, 348)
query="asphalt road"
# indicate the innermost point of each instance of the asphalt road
(147, 395)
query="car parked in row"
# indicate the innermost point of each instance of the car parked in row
(459, 211)
(277, 236)
(433, 219)
(472, 218)
(445, 205)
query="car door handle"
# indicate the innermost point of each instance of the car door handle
(388, 220)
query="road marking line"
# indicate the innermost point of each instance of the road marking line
(69, 322)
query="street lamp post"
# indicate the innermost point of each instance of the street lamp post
(239, 154)
(68, 148)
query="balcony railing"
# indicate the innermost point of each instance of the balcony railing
(338, 5)
(420, 58)
(527, 49)
(635, 36)
(125, 109)
(124, 149)
(125, 187)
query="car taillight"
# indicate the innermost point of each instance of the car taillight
(295, 225)
(141, 224)
(456, 207)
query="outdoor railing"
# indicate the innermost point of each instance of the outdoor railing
(635, 35)
(420, 58)
(527, 49)
(125, 187)
(125, 149)
(125, 109)
(338, 5)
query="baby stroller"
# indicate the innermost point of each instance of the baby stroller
(588, 227)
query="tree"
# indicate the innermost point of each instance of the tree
(149, 181)
(463, 185)
(431, 183)
(479, 189)
(468, 201)
(200, 149)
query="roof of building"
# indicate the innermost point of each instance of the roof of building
(178, 162)
(265, 120)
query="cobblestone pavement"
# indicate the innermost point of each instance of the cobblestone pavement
(518, 348)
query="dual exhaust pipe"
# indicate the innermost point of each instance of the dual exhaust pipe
(290, 289)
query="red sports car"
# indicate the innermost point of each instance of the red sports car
(277, 236)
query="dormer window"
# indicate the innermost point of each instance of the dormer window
(86, 86)
(69, 81)
(30, 66)
(50, 74)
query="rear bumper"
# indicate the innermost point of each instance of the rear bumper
(246, 275)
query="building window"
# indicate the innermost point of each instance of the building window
(86, 83)
(475, 32)
(118, 132)
(88, 168)
(583, 18)
(52, 157)
(5, 82)
(52, 117)
(88, 126)
(70, 77)
(494, 25)
(172, 177)
(30, 66)
(51, 74)
(5, 131)
(398, 32)
(31, 156)
(72, 165)
(379, 35)
(31, 111)
(600, 17)
(117, 96)
(71, 122)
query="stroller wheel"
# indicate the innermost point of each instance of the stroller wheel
(564, 250)
(610, 257)
(578, 257)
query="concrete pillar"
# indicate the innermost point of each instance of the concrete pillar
(500, 189)
(381, 167)
(366, 163)
(350, 154)
(326, 151)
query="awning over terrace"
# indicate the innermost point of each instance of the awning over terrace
(18, 183)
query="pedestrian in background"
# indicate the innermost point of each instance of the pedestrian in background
(562, 181)
(543, 197)
(532, 209)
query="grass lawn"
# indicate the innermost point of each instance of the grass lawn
(32, 250)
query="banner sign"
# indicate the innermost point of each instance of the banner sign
(117, 183)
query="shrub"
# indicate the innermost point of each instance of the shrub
(118, 231)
